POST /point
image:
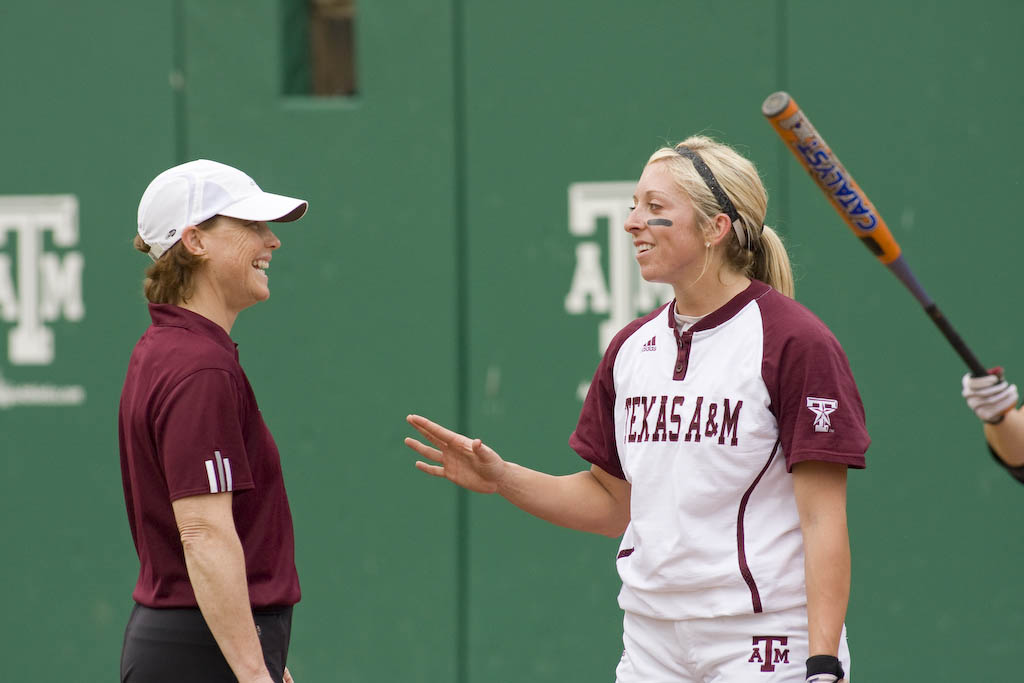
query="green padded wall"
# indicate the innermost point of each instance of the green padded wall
(360, 330)
(588, 95)
(86, 112)
(922, 105)
(433, 275)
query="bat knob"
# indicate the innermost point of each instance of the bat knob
(775, 103)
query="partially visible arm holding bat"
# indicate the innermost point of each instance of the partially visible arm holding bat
(994, 401)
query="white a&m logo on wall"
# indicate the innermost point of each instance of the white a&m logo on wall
(40, 284)
(607, 282)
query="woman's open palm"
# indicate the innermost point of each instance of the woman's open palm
(464, 461)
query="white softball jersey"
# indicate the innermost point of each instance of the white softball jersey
(706, 425)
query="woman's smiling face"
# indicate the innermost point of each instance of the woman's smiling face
(663, 225)
(238, 255)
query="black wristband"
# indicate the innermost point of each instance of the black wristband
(824, 664)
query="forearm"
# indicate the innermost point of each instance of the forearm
(827, 569)
(1007, 438)
(820, 490)
(578, 501)
(216, 569)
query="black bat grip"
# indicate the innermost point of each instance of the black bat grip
(901, 270)
(977, 369)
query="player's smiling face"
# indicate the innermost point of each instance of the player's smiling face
(662, 223)
(239, 253)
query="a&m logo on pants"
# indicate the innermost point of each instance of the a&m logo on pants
(773, 652)
(822, 408)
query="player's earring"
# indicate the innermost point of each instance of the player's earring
(707, 244)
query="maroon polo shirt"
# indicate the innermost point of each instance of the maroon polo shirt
(189, 425)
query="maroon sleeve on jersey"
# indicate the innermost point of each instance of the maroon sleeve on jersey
(594, 436)
(813, 394)
(198, 431)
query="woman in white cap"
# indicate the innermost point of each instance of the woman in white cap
(202, 476)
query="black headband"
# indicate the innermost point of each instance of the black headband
(722, 198)
(712, 182)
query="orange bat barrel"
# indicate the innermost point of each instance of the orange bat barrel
(830, 175)
(856, 209)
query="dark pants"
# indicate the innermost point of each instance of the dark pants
(173, 645)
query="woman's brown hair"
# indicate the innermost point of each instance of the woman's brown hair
(171, 278)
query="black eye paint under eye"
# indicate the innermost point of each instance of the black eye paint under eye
(659, 221)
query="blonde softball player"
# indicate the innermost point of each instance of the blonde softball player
(719, 430)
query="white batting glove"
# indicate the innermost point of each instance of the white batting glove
(990, 397)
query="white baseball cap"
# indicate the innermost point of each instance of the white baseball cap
(194, 192)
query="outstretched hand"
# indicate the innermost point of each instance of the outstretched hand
(464, 461)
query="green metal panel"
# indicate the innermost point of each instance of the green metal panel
(517, 102)
(922, 104)
(357, 334)
(359, 330)
(909, 99)
(87, 113)
(557, 95)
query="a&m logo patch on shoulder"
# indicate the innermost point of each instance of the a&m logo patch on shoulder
(822, 408)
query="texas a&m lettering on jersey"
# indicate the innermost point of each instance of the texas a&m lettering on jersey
(706, 422)
(661, 418)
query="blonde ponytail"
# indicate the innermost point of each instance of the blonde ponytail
(771, 263)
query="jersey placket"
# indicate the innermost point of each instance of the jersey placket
(683, 342)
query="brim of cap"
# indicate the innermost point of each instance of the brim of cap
(267, 206)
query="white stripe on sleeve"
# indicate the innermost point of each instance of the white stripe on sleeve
(212, 476)
(220, 466)
(227, 472)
